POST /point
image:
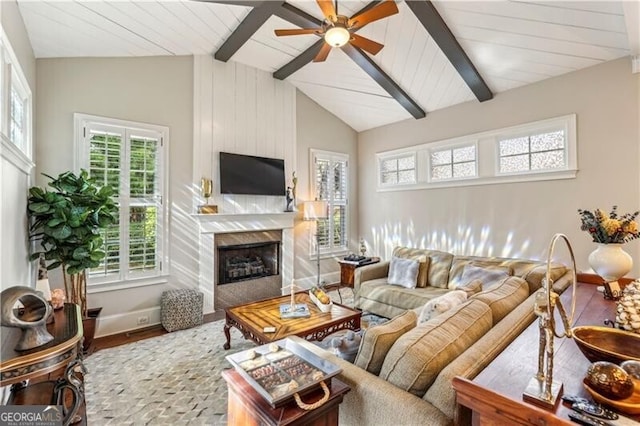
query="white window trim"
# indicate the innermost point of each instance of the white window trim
(337, 251)
(21, 157)
(451, 146)
(487, 153)
(80, 161)
(381, 157)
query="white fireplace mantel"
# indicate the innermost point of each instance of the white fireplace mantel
(212, 224)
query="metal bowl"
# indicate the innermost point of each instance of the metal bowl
(607, 344)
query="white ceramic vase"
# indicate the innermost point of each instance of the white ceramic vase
(610, 262)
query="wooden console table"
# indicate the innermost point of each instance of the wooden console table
(64, 350)
(494, 397)
(247, 407)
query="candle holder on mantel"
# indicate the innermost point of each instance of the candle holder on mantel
(542, 390)
(206, 187)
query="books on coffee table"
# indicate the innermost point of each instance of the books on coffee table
(298, 310)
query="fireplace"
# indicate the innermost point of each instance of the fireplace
(242, 262)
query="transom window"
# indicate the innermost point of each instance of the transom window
(398, 169)
(453, 163)
(130, 158)
(542, 151)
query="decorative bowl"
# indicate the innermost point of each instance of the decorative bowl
(629, 405)
(607, 344)
(324, 307)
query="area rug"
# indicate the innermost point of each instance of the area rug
(173, 379)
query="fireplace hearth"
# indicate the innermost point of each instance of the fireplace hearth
(242, 262)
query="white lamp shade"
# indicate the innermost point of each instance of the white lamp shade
(314, 210)
(337, 36)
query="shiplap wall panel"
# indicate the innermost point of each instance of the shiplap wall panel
(240, 109)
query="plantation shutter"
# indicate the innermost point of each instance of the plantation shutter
(331, 185)
(129, 160)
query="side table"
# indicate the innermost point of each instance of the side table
(348, 271)
(247, 408)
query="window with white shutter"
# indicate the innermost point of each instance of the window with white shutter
(129, 157)
(330, 184)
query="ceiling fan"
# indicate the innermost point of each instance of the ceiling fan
(338, 30)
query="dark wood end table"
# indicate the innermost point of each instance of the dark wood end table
(252, 318)
(495, 395)
(348, 272)
(247, 407)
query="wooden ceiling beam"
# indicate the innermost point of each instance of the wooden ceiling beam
(297, 17)
(431, 20)
(248, 3)
(391, 87)
(299, 61)
(249, 25)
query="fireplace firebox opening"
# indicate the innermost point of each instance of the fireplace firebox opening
(242, 262)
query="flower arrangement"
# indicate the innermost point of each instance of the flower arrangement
(612, 228)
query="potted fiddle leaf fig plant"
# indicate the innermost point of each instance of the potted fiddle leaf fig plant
(67, 219)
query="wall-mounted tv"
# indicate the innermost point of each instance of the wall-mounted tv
(246, 174)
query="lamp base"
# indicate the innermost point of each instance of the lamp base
(535, 393)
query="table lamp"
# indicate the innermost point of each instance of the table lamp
(316, 211)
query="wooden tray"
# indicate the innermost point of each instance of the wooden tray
(278, 375)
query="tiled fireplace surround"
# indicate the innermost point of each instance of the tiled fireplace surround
(224, 229)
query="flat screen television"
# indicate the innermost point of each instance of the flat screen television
(246, 174)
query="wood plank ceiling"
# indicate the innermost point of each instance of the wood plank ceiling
(510, 43)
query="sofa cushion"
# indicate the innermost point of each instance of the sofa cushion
(504, 296)
(403, 272)
(415, 359)
(488, 274)
(420, 256)
(380, 291)
(378, 339)
(472, 287)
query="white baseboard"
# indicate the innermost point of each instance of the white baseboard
(122, 323)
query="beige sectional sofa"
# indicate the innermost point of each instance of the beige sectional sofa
(413, 383)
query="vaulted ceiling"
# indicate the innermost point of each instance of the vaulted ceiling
(434, 53)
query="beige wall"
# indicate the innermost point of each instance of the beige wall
(157, 90)
(319, 129)
(14, 180)
(516, 219)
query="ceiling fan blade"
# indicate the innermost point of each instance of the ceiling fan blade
(387, 8)
(323, 53)
(328, 9)
(297, 31)
(366, 44)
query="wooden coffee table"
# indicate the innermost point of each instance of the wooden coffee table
(252, 318)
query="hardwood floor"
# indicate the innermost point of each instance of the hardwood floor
(143, 333)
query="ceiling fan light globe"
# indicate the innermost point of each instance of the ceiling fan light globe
(337, 36)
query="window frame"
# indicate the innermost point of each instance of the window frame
(125, 278)
(397, 155)
(12, 76)
(487, 157)
(332, 250)
(452, 147)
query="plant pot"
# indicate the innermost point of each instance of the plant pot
(89, 329)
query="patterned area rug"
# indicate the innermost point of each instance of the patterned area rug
(173, 379)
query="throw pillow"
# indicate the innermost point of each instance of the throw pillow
(403, 272)
(377, 340)
(487, 274)
(504, 297)
(423, 271)
(442, 304)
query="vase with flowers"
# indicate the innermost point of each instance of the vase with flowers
(610, 231)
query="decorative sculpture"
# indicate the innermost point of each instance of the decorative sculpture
(289, 199)
(542, 390)
(31, 319)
